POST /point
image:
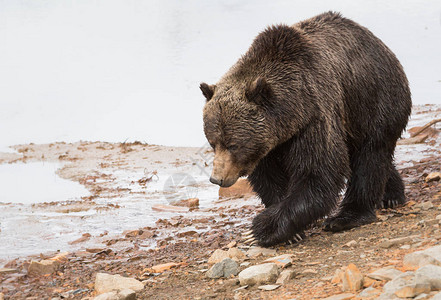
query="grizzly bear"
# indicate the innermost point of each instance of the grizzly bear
(309, 110)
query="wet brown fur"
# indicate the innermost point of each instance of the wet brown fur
(307, 107)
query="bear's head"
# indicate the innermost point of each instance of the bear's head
(237, 126)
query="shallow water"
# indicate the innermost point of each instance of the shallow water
(116, 70)
(36, 182)
(27, 228)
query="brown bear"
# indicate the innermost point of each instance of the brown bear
(309, 110)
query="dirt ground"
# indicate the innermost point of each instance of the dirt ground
(189, 240)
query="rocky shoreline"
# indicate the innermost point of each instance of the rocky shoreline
(193, 249)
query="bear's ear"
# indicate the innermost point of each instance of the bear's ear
(207, 90)
(259, 91)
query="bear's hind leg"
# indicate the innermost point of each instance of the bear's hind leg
(365, 191)
(394, 192)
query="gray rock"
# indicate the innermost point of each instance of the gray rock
(430, 274)
(225, 268)
(387, 273)
(260, 274)
(126, 294)
(107, 283)
(429, 256)
(406, 286)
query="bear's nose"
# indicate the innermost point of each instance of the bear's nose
(216, 181)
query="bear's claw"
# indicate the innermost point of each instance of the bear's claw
(249, 238)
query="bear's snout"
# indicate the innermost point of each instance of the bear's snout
(225, 171)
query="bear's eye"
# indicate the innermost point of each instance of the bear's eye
(233, 148)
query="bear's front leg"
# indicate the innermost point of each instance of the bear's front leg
(310, 198)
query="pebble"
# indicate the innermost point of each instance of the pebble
(387, 273)
(309, 272)
(259, 251)
(245, 264)
(105, 283)
(162, 267)
(43, 267)
(259, 274)
(428, 256)
(285, 276)
(350, 244)
(269, 287)
(434, 176)
(126, 294)
(430, 274)
(406, 286)
(352, 279)
(2, 296)
(397, 241)
(225, 268)
(282, 261)
(345, 296)
(425, 205)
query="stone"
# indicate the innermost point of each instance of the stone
(259, 274)
(352, 279)
(242, 188)
(386, 273)
(436, 297)
(345, 296)
(7, 271)
(430, 274)
(406, 286)
(259, 251)
(43, 267)
(338, 276)
(434, 176)
(107, 283)
(350, 244)
(282, 261)
(126, 294)
(429, 256)
(163, 267)
(218, 256)
(225, 268)
(396, 242)
(170, 208)
(285, 276)
(425, 205)
(369, 293)
(368, 282)
(60, 257)
(269, 287)
(85, 237)
(2, 296)
(191, 203)
(236, 254)
(309, 272)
